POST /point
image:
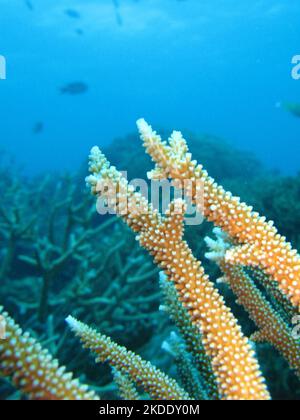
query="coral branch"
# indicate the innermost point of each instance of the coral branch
(280, 302)
(33, 370)
(272, 328)
(188, 374)
(126, 387)
(155, 382)
(262, 245)
(191, 335)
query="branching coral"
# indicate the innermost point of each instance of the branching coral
(33, 370)
(190, 334)
(155, 382)
(260, 243)
(272, 327)
(51, 253)
(100, 281)
(187, 371)
(59, 266)
(109, 284)
(233, 361)
(15, 225)
(279, 301)
(126, 386)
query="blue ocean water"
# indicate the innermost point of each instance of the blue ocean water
(219, 67)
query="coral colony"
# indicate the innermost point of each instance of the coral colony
(216, 359)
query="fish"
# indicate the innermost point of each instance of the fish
(292, 107)
(119, 19)
(72, 13)
(116, 4)
(29, 5)
(75, 88)
(79, 31)
(38, 128)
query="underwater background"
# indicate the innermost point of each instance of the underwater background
(80, 73)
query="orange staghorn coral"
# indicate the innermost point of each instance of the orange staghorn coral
(156, 383)
(233, 360)
(272, 327)
(33, 370)
(260, 243)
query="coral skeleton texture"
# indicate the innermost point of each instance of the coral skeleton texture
(233, 360)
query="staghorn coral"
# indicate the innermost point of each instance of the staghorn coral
(232, 164)
(101, 281)
(277, 197)
(233, 361)
(126, 386)
(187, 372)
(260, 243)
(80, 283)
(279, 301)
(155, 382)
(16, 223)
(33, 370)
(59, 255)
(190, 334)
(272, 327)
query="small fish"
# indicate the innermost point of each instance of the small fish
(116, 4)
(29, 5)
(119, 19)
(75, 88)
(38, 128)
(293, 108)
(72, 13)
(79, 31)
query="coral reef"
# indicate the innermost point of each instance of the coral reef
(54, 264)
(56, 259)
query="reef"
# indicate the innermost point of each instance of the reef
(61, 258)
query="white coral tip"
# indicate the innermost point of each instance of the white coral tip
(73, 323)
(144, 128)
